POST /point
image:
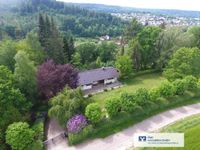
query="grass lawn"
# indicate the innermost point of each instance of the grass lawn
(191, 127)
(148, 80)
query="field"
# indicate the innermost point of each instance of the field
(135, 82)
(191, 127)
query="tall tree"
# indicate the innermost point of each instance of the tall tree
(147, 39)
(132, 29)
(196, 32)
(25, 75)
(32, 47)
(42, 30)
(168, 41)
(135, 53)
(13, 105)
(51, 39)
(7, 52)
(107, 51)
(68, 48)
(88, 52)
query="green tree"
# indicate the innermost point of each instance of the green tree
(19, 136)
(169, 40)
(124, 65)
(135, 53)
(185, 61)
(93, 112)
(132, 29)
(25, 75)
(196, 32)
(7, 53)
(87, 52)
(66, 104)
(13, 106)
(147, 39)
(68, 48)
(76, 60)
(50, 39)
(107, 51)
(32, 47)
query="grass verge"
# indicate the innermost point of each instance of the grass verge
(190, 127)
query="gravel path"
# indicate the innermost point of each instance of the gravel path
(124, 139)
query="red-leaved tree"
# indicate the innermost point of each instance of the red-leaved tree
(52, 78)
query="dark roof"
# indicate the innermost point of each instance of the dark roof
(90, 76)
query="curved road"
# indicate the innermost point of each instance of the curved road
(124, 139)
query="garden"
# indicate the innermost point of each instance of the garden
(118, 112)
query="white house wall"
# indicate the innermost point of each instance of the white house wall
(110, 81)
(87, 87)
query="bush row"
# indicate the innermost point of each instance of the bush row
(143, 98)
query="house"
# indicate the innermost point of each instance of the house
(98, 77)
(104, 38)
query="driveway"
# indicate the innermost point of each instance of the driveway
(124, 139)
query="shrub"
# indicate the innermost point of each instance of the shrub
(128, 102)
(37, 145)
(74, 138)
(19, 136)
(76, 124)
(166, 89)
(93, 112)
(113, 106)
(154, 94)
(179, 86)
(142, 97)
(191, 82)
(38, 127)
(89, 95)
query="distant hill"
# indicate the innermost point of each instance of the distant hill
(118, 9)
(23, 18)
(9, 2)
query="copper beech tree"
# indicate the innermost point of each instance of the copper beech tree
(52, 78)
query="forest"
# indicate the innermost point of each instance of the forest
(22, 18)
(40, 61)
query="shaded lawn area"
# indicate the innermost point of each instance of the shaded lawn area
(130, 85)
(191, 127)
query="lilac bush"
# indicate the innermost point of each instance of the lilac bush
(76, 123)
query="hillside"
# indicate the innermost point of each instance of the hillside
(118, 9)
(23, 18)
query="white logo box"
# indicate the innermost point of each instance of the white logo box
(159, 140)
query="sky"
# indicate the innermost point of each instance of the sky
(162, 4)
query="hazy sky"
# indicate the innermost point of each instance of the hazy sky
(164, 4)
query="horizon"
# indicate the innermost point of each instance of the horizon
(145, 4)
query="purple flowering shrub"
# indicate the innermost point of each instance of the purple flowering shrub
(76, 123)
